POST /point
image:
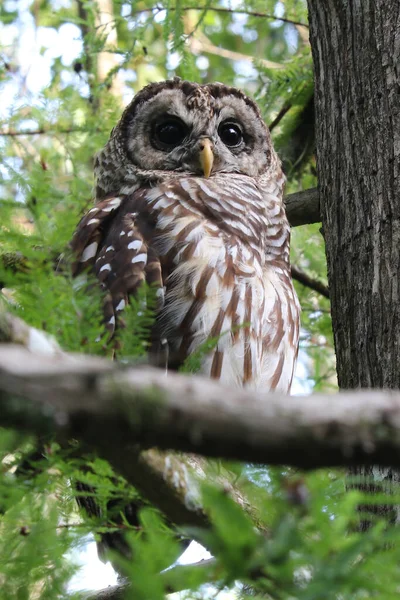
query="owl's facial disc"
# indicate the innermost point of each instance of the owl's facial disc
(167, 132)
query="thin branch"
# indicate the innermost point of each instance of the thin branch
(279, 116)
(218, 9)
(198, 46)
(314, 284)
(114, 410)
(41, 131)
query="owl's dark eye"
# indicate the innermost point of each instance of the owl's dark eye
(230, 133)
(169, 133)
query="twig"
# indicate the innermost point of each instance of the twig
(42, 131)
(119, 527)
(218, 9)
(314, 284)
(201, 45)
(113, 410)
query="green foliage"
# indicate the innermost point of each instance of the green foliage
(154, 549)
(138, 318)
(308, 548)
(34, 537)
(311, 549)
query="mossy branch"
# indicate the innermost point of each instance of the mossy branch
(119, 411)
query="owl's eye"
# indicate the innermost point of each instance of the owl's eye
(169, 133)
(230, 133)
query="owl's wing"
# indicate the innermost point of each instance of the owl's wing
(110, 240)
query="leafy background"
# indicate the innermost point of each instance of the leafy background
(67, 67)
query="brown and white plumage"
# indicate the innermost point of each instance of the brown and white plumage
(215, 248)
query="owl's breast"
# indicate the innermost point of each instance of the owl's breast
(223, 299)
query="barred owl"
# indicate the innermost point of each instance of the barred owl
(189, 200)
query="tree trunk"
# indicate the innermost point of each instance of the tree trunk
(98, 18)
(107, 60)
(356, 50)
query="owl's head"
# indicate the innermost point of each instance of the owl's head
(176, 128)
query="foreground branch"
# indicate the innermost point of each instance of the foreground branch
(169, 577)
(113, 410)
(169, 481)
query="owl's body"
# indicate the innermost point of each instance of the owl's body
(197, 213)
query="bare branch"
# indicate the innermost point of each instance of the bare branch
(41, 131)
(113, 410)
(279, 116)
(218, 9)
(302, 208)
(200, 44)
(314, 284)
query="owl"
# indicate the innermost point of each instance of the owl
(189, 201)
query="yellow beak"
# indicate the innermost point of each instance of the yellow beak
(206, 157)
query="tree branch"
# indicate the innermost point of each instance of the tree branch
(112, 410)
(302, 208)
(170, 482)
(314, 284)
(181, 573)
(279, 116)
(113, 592)
(199, 45)
(41, 131)
(218, 9)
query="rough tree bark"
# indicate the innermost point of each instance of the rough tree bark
(117, 412)
(356, 51)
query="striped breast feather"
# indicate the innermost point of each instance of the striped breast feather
(280, 319)
(235, 204)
